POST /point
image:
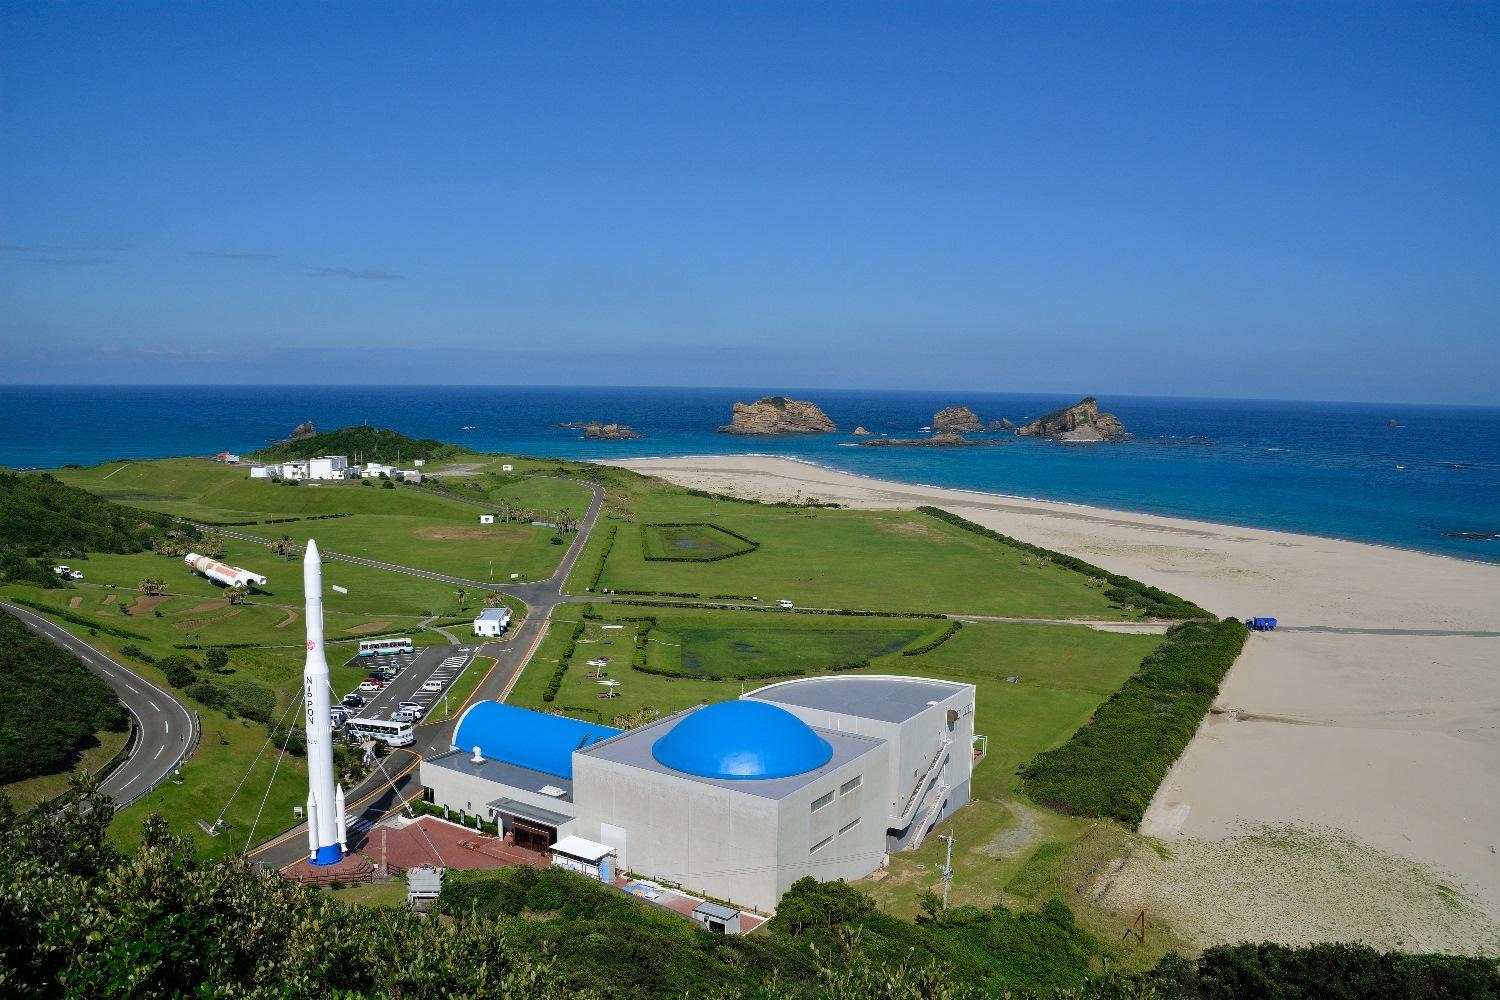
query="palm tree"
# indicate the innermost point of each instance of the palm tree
(238, 594)
(493, 599)
(461, 594)
(153, 586)
(284, 546)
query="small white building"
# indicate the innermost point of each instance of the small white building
(409, 475)
(492, 622)
(419, 462)
(263, 471)
(507, 468)
(486, 518)
(296, 471)
(716, 918)
(328, 467)
(227, 457)
(585, 857)
(374, 470)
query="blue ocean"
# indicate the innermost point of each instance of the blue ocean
(1421, 477)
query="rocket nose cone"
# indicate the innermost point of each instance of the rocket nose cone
(312, 551)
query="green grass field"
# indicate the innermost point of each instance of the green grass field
(872, 560)
(727, 645)
(689, 541)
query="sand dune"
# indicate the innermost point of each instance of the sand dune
(1370, 720)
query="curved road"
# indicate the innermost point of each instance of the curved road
(166, 729)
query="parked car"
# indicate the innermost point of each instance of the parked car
(785, 605)
(369, 685)
(432, 686)
(414, 707)
(353, 700)
(402, 715)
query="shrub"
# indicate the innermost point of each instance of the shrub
(1114, 764)
(181, 670)
(936, 641)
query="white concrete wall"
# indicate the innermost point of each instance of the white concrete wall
(470, 793)
(854, 852)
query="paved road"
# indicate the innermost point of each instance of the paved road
(166, 728)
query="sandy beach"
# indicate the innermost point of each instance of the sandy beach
(1346, 786)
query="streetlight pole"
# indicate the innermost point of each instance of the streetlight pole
(947, 871)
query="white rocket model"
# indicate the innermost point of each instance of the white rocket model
(327, 840)
(229, 576)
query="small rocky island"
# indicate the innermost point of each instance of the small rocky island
(861, 432)
(594, 430)
(778, 415)
(1080, 422)
(942, 439)
(957, 420)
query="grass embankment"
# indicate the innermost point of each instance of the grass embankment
(860, 559)
(1113, 766)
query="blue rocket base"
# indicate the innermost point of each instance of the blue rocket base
(330, 855)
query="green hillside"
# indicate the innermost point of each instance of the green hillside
(53, 705)
(42, 518)
(362, 445)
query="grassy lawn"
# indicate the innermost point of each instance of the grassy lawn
(390, 893)
(33, 791)
(689, 541)
(875, 560)
(731, 645)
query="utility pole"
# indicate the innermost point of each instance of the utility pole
(947, 871)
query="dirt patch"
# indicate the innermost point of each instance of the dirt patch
(1296, 885)
(458, 533)
(107, 599)
(188, 626)
(366, 628)
(73, 602)
(199, 609)
(144, 605)
(908, 529)
(291, 616)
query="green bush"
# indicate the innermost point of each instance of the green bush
(935, 642)
(68, 616)
(181, 670)
(1122, 590)
(1114, 764)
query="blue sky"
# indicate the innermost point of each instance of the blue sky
(1274, 200)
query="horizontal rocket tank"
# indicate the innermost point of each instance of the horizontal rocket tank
(229, 576)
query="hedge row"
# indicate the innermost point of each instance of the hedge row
(785, 504)
(609, 543)
(269, 520)
(656, 593)
(934, 642)
(848, 612)
(1122, 589)
(80, 620)
(1114, 764)
(555, 683)
(696, 559)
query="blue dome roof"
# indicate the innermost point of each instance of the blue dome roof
(742, 740)
(525, 738)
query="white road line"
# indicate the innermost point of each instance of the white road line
(86, 659)
(109, 673)
(158, 752)
(49, 634)
(166, 726)
(132, 778)
(133, 688)
(153, 704)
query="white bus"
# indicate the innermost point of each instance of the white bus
(396, 734)
(384, 647)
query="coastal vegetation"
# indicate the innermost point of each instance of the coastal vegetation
(1114, 764)
(362, 444)
(87, 920)
(54, 707)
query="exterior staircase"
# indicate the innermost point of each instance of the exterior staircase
(940, 792)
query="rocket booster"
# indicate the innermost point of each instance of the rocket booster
(325, 799)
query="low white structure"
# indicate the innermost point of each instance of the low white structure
(419, 462)
(486, 518)
(410, 475)
(328, 467)
(263, 471)
(227, 457)
(492, 622)
(585, 857)
(717, 918)
(294, 470)
(374, 470)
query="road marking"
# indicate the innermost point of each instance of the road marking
(166, 726)
(153, 704)
(109, 673)
(158, 752)
(132, 778)
(133, 688)
(85, 658)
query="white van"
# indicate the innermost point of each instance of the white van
(785, 604)
(433, 685)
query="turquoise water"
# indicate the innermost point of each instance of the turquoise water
(1332, 469)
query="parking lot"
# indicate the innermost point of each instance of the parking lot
(437, 664)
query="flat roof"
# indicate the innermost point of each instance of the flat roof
(716, 911)
(577, 847)
(501, 772)
(526, 810)
(633, 747)
(883, 698)
(494, 614)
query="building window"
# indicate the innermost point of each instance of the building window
(820, 845)
(848, 826)
(850, 785)
(821, 801)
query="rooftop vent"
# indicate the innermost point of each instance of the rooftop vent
(552, 790)
(478, 757)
